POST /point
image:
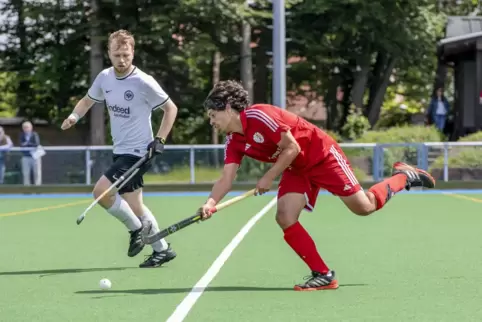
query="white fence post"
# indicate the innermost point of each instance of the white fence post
(192, 164)
(88, 174)
(446, 163)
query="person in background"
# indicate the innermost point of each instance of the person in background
(438, 110)
(29, 139)
(5, 145)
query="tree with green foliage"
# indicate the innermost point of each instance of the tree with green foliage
(367, 49)
(360, 45)
(8, 97)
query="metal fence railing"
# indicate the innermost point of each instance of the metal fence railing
(201, 163)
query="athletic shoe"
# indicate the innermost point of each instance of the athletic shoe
(415, 177)
(135, 243)
(317, 281)
(156, 259)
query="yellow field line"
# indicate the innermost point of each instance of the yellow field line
(24, 212)
(454, 195)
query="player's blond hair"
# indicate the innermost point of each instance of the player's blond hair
(121, 37)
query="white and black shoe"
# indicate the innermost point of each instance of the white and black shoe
(156, 259)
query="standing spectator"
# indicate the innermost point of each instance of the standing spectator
(439, 109)
(29, 139)
(5, 145)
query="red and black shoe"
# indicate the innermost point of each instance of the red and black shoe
(417, 178)
(317, 281)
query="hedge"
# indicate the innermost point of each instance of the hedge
(462, 156)
(467, 158)
(464, 162)
(403, 134)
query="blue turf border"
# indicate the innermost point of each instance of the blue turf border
(206, 193)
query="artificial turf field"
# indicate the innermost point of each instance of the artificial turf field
(417, 259)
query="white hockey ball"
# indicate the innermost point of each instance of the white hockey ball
(105, 284)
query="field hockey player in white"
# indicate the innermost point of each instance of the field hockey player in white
(130, 96)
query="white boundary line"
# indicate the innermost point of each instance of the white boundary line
(182, 310)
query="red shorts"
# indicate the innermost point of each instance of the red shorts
(334, 175)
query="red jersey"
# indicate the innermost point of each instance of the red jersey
(262, 127)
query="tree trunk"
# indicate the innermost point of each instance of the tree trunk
(440, 76)
(260, 91)
(97, 119)
(383, 71)
(360, 83)
(216, 78)
(23, 89)
(375, 82)
(331, 104)
(246, 60)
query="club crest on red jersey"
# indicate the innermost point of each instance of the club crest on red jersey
(258, 138)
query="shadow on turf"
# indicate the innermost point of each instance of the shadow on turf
(153, 291)
(48, 272)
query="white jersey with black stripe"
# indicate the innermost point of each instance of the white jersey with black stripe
(130, 101)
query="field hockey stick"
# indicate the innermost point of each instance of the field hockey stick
(122, 180)
(188, 221)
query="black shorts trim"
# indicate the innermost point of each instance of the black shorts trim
(122, 163)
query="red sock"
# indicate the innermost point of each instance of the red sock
(303, 245)
(384, 190)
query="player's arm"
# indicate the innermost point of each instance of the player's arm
(80, 109)
(233, 155)
(289, 151)
(273, 129)
(168, 119)
(83, 106)
(223, 185)
(94, 95)
(158, 99)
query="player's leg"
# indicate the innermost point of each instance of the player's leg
(340, 180)
(132, 193)
(295, 193)
(161, 250)
(117, 206)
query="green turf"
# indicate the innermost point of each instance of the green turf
(419, 263)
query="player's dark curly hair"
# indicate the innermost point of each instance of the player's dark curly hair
(227, 92)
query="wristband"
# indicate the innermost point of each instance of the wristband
(162, 140)
(75, 116)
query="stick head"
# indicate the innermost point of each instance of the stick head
(146, 229)
(80, 219)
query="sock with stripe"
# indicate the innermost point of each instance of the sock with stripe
(159, 245)
(301, 242)
(384, 190)
(121, 210)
